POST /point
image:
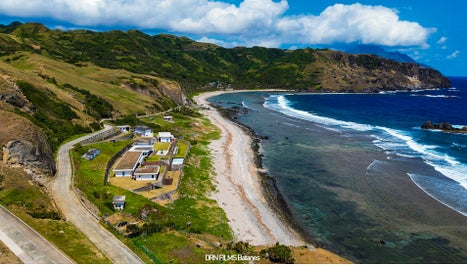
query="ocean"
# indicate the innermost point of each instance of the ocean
(358, 174)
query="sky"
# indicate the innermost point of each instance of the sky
(431, 32)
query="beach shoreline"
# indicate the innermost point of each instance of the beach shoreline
(239, 184)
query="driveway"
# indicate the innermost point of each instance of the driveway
(26, 243)
(74, 212)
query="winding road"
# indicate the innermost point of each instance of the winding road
(75, 212)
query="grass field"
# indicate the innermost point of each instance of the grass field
(34, 207)
(182, 148)
(110, 84)
(89, 178)
(193, 205)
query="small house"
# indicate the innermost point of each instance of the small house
(119, 202)
(123, 128)
(165, 137)
(168, 118)
(143, 131)
(91, 153)
(128, 164)
(147, 173)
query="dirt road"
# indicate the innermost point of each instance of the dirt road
(73, 210)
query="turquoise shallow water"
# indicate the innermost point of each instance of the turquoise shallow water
(352, 194)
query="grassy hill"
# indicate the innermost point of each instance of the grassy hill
(64, 99)
(204, 66)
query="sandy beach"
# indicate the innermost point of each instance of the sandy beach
(239, 190)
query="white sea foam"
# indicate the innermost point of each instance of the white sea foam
(443, 163)
(391, 140)
(413, 178)
(245, 105)
(433, 96)
(285, 108)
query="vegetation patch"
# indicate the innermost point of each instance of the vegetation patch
(52, 115)
(192, 214)
(33, 206)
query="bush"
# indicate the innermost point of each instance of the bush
(133, 230)
(240, 247)
(279, 254)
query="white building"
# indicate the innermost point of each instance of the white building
(119, 202)
(165, 137)
(144, 131)
(123, 128)
(147, 173)
(128, 164)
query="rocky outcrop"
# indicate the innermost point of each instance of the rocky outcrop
(17, 100)
(443, 126)
(34, 155)
(25, 145)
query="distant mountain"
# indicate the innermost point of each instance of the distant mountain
(377, 50)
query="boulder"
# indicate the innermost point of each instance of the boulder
(428, 126)
(443, 126)
(446, 126)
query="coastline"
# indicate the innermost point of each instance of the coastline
(239, 186)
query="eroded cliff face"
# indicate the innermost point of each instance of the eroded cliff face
(24, 145)
(370, 73)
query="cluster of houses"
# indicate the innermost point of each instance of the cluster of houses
(132, 163)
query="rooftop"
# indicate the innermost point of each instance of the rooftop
(147, 170)
(92, 151)
(165, 134)
(128, 160)
(141, 148)
(142, 127)
(119, 198)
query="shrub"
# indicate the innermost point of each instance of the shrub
(133, 230)
(279, 254)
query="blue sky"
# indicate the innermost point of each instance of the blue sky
(431, 32)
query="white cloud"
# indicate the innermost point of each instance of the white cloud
(252, 22)
(453, 55)
(442, 40)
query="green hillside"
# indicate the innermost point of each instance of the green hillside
(206, 66)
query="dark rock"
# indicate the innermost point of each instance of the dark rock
(428, 126)
(443, 126)
(33, 154)
(446, 126)
(14, 99)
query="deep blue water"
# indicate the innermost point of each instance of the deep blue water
(346, 165)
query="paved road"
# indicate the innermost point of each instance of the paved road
(26, 243)
(73, 210)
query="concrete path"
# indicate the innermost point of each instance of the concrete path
(75, 212)
(26, 243)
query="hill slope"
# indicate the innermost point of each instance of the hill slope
(199, 65)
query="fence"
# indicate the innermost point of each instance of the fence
(101, 136)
